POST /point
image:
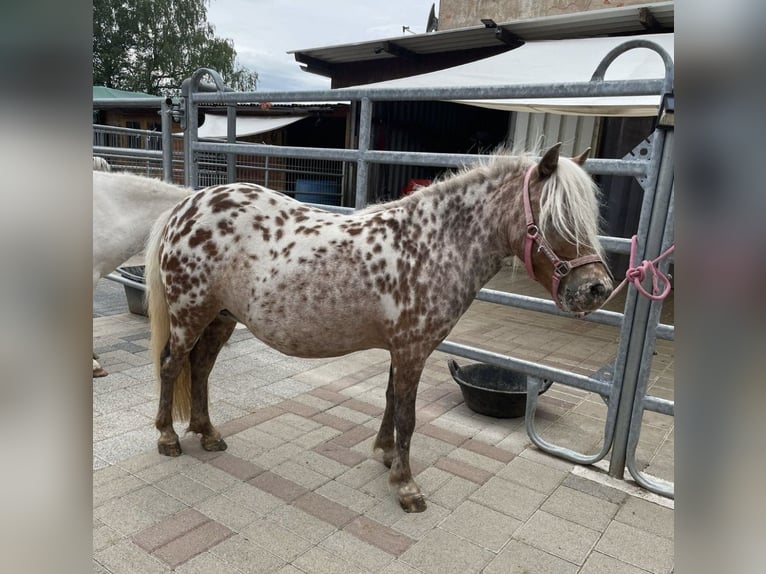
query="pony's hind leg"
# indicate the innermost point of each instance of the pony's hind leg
(406, 376)
(202, 359)
(385, 439)
(173, 365)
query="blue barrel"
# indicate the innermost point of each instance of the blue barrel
(322, 191)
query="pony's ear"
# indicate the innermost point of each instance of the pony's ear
(580, 159)
(549, 162)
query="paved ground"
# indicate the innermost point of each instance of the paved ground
(299, 491)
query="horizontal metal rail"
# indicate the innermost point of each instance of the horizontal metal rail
(527, 91)
(116, 277)
(529, 368)
(529, 303)
(127, 152)
(594, 166)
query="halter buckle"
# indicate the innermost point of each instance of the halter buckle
(562, 268)
(533, 232)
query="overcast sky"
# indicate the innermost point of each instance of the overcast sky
(264, 30)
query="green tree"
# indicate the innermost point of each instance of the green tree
(153, 45)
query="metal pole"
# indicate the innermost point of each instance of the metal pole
(231, 137)
(365, 132)
(167, 140)
(641, 306)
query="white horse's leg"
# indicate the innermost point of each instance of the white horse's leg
(98, 370)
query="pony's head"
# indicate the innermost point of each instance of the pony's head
(561, 249)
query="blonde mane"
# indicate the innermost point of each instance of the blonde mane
(569, 199)
(569, 205)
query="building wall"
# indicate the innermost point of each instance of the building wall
(461, 14)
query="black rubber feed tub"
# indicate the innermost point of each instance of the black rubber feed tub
(135, 297)
(493, 391)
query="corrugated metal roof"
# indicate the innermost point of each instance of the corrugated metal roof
(102, 92)
(608, 21)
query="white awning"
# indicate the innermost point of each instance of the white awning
(555, 61)
(215, 126)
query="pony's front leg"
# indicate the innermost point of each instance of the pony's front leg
(202, 359)
(385, 439)
(406, 375)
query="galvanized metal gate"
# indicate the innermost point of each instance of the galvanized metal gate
(651, 163)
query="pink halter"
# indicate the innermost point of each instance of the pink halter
(560, 268)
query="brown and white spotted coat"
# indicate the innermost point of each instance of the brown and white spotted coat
(316, 284)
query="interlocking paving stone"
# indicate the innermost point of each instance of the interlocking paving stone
(558, 536)
(520, 558)
(598, 563)
(242, 469)
(278, 540)
(353, 436)
(510, 498)
(646, 516)
(320, 561)
(442, 434)
(336, 422)
(356, 551)
(488, 450)
(345, 495)
(379, 535)
(278, 486)
(340, 453)
(169, 529)
(629, 544)
(441, 552)
(206, 563)
(127, 558)
(192, 543)
(536, 476)
(246, 556)
(596, 489)
(302, 523)
(463, 470)
(581, 508)
(481, 525)
(453, 492)
(325, 509)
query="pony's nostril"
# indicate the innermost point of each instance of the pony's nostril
(598, 290)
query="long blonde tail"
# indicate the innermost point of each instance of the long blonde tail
(160, 321)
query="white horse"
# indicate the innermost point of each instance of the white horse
(100, 164)
(124, 208)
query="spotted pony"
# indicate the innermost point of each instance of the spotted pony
(396, 276)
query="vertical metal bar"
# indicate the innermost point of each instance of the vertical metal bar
(191, 176)
(167, 140)
(653, 484)
(365, 133)
(640, 306)
(231, 137)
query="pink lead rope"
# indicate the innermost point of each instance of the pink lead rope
(637, 273)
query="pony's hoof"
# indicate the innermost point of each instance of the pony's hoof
(169, 449)
(100, 372)
(213, 444)
(413, 502)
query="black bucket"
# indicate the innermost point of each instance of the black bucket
(135, 297)
(493, 391)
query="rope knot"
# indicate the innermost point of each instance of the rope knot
(638, 273)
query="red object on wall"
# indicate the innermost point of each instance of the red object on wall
(414, 184)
